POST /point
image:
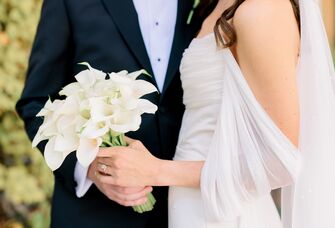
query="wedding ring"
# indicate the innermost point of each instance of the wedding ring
(103, 168)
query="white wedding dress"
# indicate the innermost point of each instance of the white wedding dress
(204, 70)
(246, 155)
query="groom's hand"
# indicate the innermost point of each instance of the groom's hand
(126, 196)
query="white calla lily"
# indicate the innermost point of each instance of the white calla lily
(79, 123)
(95, 129)
(122, 73)
(39, 137)
(64, 122)
(136, 74)
(145, 106)
(142, 88)
(46, 109)
(53, 158)
(49, 127)
(124, 122)
(126, 91)
(88, 150)
(50, 107)
(72, 89)
(101, 110)
(120, 79)
(68, 140)
(87, 78)
(128, 103)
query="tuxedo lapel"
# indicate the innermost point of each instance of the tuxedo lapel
(181, 38)
(125, 17)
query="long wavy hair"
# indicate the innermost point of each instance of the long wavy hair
(225, 34)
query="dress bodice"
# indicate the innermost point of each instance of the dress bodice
(202, 71)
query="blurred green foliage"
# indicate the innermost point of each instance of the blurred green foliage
(25, 182)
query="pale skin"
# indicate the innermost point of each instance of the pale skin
(267, 52)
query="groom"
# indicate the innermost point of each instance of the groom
(111, 35)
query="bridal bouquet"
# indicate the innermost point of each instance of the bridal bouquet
(97, 111)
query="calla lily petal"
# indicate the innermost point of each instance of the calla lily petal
(85, 78)
(120, 79)
(49, 127)
(146, 106)
(39, 137)
(54, 159)
(122, 73)
(98, 74)
(88, 150)
(64, 122)
(136, 74)
(124, 122)
(95, 129)
(68, 141)
(142, 88)
(101, 110)
(44, 111)
(71, 89)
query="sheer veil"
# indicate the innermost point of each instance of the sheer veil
(249, 156)
(310, 202)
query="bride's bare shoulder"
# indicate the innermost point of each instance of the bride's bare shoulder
(262, 23)
(259, 14)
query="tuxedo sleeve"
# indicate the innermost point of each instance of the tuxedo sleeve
(50, 69)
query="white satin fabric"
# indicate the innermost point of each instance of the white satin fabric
(246, 155)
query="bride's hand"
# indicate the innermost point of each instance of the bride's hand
(126, 196)
(130, 166)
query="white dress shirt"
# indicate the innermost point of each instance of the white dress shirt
(157, 20)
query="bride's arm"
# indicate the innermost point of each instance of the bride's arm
(136, 166)
(267, 52)
(179, 173)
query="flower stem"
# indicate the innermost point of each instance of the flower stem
(107, 143)
(123, 140)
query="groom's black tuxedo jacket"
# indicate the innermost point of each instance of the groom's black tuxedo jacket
(106, 34)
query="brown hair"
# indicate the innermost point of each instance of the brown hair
(225, 34)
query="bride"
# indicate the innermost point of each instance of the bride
(260, 115)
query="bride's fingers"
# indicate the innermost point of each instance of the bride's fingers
(131, 190)
(134, 202)
(107, 166)
(134, 144)
(113, 179)
(125, 201)
(130, 197)
(110, 151)
(103, 168)
(129, 140)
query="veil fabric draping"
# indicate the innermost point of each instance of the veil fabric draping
(249, 156)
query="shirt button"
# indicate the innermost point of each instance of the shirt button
(157, 23)
(158, 59)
